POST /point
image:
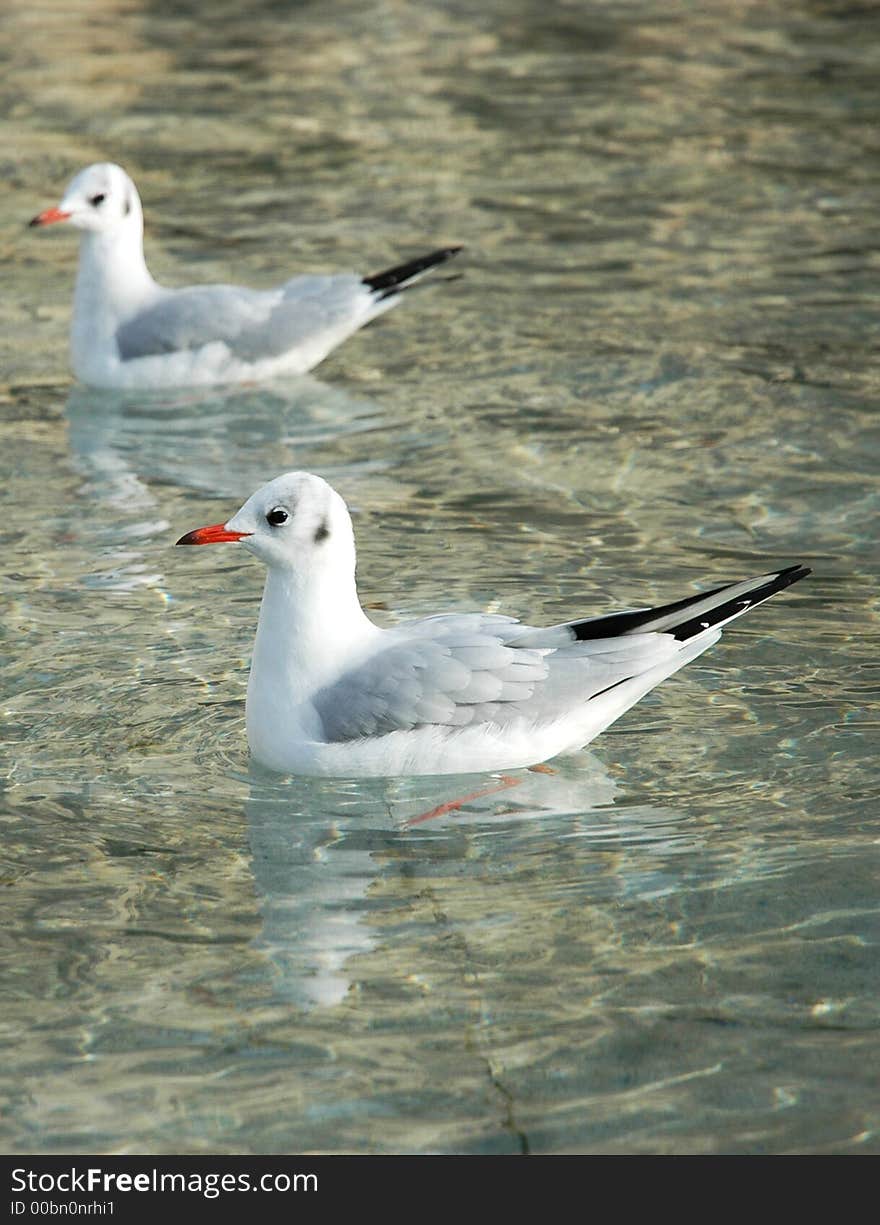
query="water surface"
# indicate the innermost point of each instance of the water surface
(658, 370)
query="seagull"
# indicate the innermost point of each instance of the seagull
(129, 332)
(331, 693)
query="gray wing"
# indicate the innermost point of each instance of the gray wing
(460, 670)
(254, 324)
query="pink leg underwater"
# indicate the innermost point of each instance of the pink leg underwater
(505, 781)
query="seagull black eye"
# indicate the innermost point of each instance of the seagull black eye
(98, 199)
(277, 516)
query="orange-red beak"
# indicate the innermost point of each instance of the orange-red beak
(49, 217)
(216, 534)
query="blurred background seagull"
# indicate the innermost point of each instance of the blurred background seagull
(330, 693)
(129, 332)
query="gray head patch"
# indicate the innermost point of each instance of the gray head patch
(322, 532)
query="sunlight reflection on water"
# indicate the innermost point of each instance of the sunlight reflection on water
(656, 372)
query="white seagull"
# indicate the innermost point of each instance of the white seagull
(129, 332)
(330, 693)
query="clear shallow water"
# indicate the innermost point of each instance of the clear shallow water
(659, 369)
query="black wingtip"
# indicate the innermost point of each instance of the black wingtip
(792, 574)
(614, 624)
(395, 280)
(777, 581)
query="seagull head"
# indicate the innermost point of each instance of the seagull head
(297, 523)
(102, 198)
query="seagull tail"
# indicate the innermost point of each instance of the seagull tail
(395, 280)
(696, 623)
(685, 619)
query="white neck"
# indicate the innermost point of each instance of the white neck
(311, 629)
(112, 282)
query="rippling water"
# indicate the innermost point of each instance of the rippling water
(659, 368)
